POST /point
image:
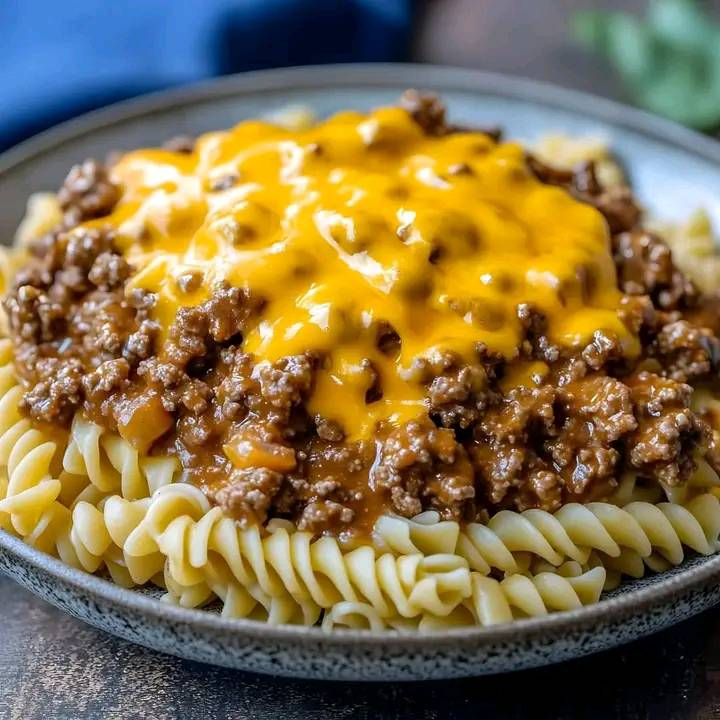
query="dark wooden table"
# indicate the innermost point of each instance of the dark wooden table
(52, 666)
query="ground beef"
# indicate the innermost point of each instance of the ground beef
(226, 311)
(283, 384)
(248, 494)
(257, 407)
(83, 246)
(198, 329)
(426, 110)
(109, 271)
(686, 352)
(110, 375)
(56, 393)
(645, 267)
(505, 455)
(71, 322)
(88, 192)
(640, 316)
(31, 314)
(706, 313)
(519, 411)
(323, 513)
(617, 204)
(594, 413)
(668, 431)
(421, 466)
(139, 344)
(335, 490)
(603, 349)
(604, 403)
(328, 429)
(536, 343)
(192, 350)
(429, 113)
(239, 385)
(326, 491)
(235, 368)
(105, 322)
(458, 396)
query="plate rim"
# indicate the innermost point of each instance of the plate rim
(613, 609)
(429, 77)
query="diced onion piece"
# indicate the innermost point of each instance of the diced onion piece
(142, 420)
(246, 451)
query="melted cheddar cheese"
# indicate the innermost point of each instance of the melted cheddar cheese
(361, 222)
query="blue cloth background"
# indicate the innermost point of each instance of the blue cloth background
(62, 58)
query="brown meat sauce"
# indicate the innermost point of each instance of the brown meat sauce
(241, 427)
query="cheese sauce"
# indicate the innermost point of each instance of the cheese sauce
(359, 224)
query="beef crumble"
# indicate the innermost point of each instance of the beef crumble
(429, 113)
(69, 317)
(242, 428)
(645, 267)
(617, 204)
(423, 466)
(87, 193)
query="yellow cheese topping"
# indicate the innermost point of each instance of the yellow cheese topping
(360, 223)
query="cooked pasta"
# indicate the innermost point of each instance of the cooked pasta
(694, 248)
(204, 548)
(367, 484)
(31, 484)
(566, 152)
(492, 602)
(112, 464)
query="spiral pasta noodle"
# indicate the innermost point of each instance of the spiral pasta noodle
(30, 468)
(205, 549)
(112, 464)
(654, 533)
(491, 601)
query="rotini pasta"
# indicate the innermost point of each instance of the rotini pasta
(641, 530)
(491, 601)
(694, 248)
(203, 548)
(112, 464)
(31, 482)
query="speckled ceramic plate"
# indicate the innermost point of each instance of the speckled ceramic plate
(672, 169)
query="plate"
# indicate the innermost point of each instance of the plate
(673, 171)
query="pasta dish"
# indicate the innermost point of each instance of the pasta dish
(377, 371)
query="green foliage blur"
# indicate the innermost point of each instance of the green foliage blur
(669, 61)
